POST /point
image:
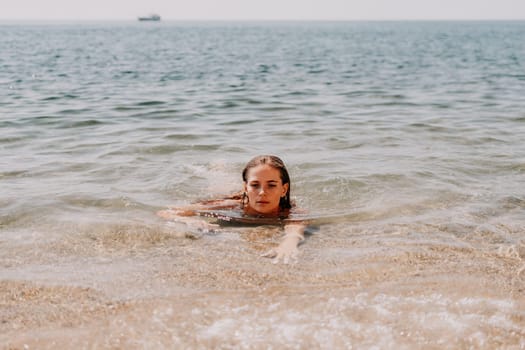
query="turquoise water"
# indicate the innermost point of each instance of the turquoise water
(411, 128)
(361, 112)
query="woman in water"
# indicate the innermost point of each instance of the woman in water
(265, 195)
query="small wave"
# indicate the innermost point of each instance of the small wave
(150, 103)
(238, 122)
(277, 108)
(173, 77)
(43, 120)
(52, 98)
(229, 104)
(74, 111)
(164, 149)
(12, 174)
(82, 124)
(62, 97)
(11, 139)
(253, 102)
(354, 93)
(126, 108)
(396, 104)
(431, 127)
(84, 201)
(182, 137)
(296, 93)
(317, 71)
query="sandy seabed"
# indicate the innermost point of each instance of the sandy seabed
(138, 287)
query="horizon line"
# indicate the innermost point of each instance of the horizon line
(265, 19)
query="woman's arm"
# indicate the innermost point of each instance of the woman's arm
(287, 249)
(187, 216)
(192, 209)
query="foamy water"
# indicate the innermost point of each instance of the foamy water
(403, 140)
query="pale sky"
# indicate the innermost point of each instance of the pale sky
(262, 9)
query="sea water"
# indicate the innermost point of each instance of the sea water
(404, 141)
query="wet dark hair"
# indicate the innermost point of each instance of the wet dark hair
(277, 163)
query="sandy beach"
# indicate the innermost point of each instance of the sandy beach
(141, 287)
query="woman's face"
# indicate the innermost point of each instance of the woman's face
(264, 189)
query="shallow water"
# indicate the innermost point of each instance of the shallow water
(403, 140)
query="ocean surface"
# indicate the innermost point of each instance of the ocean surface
(404, 141)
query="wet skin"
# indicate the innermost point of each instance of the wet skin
(264, 189)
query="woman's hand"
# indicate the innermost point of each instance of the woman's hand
(167, 214)
(193, 222)
(287, 249)
(174, 212)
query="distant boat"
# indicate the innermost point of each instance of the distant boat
(152, 17)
